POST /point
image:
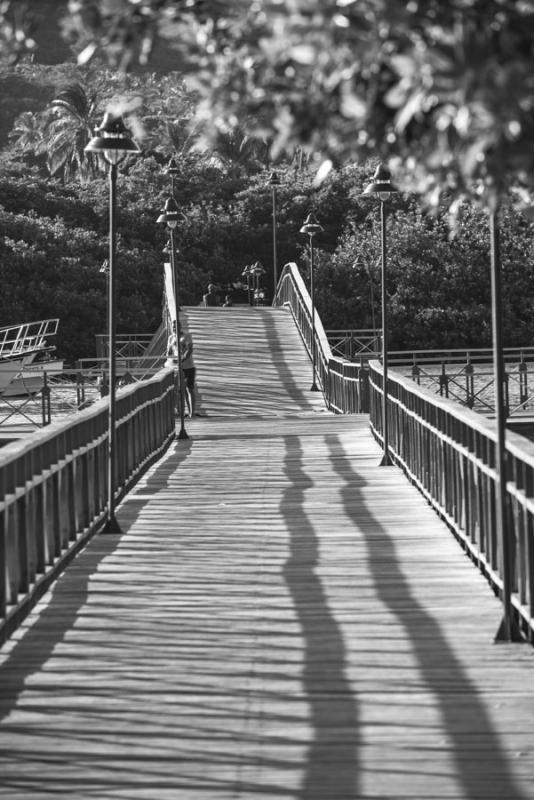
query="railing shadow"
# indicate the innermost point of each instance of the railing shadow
(465, 719)
(297, 392)
(31, 647)
(333, 754)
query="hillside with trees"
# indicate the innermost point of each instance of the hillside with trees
(385, 86)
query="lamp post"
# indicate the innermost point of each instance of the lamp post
(112, 141)
(311, 226)
(274, 182)
(382, 187)
(508, 630)
(247, 273)
(170, 216)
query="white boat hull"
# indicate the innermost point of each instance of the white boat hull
(30, 379)
(8, 371)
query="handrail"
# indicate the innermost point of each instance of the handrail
(26, 337)
(343, 383)
(480, 355)
(448, 452)
(292, 291)
(53, 486)
(136, 366)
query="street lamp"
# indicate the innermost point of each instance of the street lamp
(508, 630)
(382, 187)
(274, 182)
(311, 227)
(170, 216)
(113, 142)
(248, 273)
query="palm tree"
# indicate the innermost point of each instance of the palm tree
(61, 132)
(179, 137)
(239, 153)
(70, 126)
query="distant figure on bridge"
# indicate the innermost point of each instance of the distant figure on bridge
(210, 298)
(227, 301)
(172, 351)
(188, 369)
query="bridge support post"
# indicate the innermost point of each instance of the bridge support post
(523, 381)
(45, 401)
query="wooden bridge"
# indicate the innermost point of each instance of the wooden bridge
(280, 618)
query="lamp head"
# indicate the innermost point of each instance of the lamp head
(311, 225)
(381, 184)
(112, 140)
(258, 269)
(170, 214)
(172, 168)
(274, 179)
(248, 270)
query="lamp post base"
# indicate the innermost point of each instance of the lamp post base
(314, 387)
(509, 632)
(111, 526)
(386, 461)
(183, 434)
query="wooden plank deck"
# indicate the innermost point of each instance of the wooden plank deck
(251, 362)
(281, 618)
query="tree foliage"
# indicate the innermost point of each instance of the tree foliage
(55, 232)
(444, 90)
(159, 110)
(438, 287)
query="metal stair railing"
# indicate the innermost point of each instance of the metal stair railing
(19, 340)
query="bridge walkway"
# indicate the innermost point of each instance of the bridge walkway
(281, 618)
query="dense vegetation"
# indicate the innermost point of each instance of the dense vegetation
(442, 88)
(54, 207)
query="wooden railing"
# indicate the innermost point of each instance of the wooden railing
(344, 384)
(448, 452)
(53, 486)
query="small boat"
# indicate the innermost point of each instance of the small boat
(30, 379)
(25, 355)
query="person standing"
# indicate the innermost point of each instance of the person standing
(188, 370)
(210, 298)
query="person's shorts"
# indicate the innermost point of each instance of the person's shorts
(189, 375)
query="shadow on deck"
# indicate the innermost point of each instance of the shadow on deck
(281, 618)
